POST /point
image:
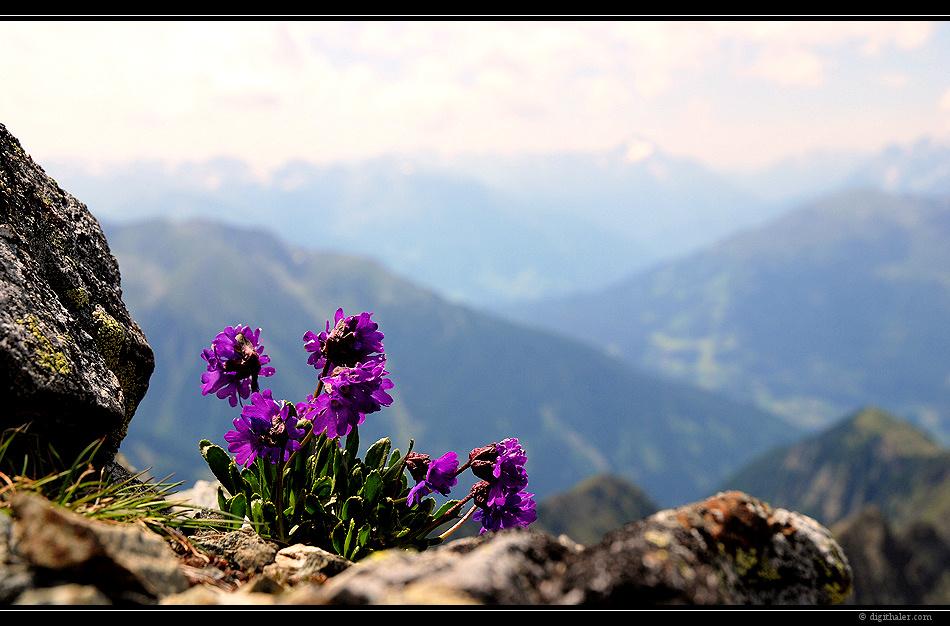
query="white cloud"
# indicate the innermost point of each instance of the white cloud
(893, 79)
(326, 90)
(789, 67)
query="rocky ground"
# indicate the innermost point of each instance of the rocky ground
(727, 550)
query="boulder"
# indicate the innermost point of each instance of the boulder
(73, 363)
(730, 549)
(56, 553)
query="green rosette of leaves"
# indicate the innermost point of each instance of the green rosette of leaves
(327, 496)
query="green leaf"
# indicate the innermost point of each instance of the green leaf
(394, 458)
(445, 509)
(236, 479)
(290, 504)
(323, 448)
(322, 487)
(222, 499)
(372, 488)
(393, 475)
(362, 539)
(252, 483)
(355, 479)
(352, 509)
(220, 463)
(257, 511)
(350, 544)
(237, 506)
(352, 445)
(313, 506)
(377, 454)
(338, 538)
(386, 512)
(270, 513)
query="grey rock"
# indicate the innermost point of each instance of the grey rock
(730, 549)
(128, 563)
(204, 494)
(300, 563)
(243, 549)
(73, 363)
(68, 594)
(16, 576)
(512, 567)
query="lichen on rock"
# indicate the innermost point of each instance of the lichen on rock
(73, 362)
(45, 352)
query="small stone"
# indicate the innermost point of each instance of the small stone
(69, 594)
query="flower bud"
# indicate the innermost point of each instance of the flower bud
(418, 465)
(479, 493)
(482, 461)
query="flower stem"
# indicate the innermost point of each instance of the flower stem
(280, 502)
(445, 516)
(306, 439)
(458, 523)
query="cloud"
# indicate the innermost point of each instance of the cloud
(789, 67)
(318, 90)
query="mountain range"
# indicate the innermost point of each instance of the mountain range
(480, 230)
(495, 229)
(462, 378)
(868, 458)
(594, 507)
(840, 303)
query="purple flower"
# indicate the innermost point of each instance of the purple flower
(515, 509)
(235, 361)
(501, 465)
(352, 340)
(438, 475)
(265, 429)
(351, 393)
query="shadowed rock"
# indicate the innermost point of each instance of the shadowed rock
(73, 363)
(128, 563)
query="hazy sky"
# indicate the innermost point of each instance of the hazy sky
(729, 93)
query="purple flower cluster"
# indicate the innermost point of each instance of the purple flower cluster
(352, 340)
(350, 356)
(516, 508)
(235, 361)
(351, 393)
(265, 429)
(501, 465)
(353, 384)
(438, 475)
(499, 497)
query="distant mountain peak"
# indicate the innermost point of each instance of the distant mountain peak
(897, 437)
(871, 457)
